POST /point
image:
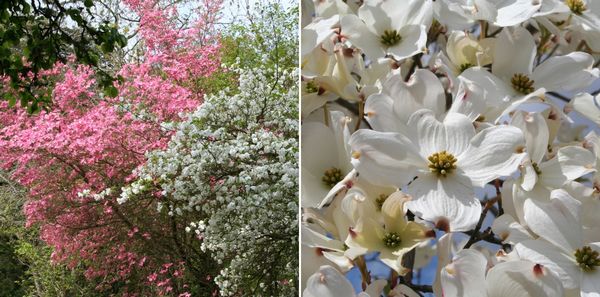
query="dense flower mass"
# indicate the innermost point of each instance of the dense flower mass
(231, 174)
(463, 120)
(75, 156)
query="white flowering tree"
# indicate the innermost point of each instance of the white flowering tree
(452, 129)
(230, 175)
(228, 179)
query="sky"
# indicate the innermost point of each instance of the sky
(234, 10)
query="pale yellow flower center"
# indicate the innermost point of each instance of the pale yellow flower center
(442, 163)
(392, 240)
(576, 6)
(464, 67)
(332, 176)
(522, 83)
(390, 38)
(587, 259)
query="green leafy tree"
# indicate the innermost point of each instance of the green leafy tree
(35, 34)
(26, 268)
(269, 29)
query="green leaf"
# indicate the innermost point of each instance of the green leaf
(26, 8)
(12, 100)
(76, 16)
(107, 47)
(88, 3)
(122, 40)
(33, 107)
(111, 91)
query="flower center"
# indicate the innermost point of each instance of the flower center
(311, 87)
(465, 66)
(522, 84)
(332, 176)
(380, 200)
(587, 259)
(576, 6)
(392, 240)
(390, 38)
(442, 163)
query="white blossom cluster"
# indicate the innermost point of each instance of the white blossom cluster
(96, 196)
(459, 129)
(231, 171)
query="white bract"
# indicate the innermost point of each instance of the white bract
(562, 246)
(483, 116)
(387, 27)
(443, 161)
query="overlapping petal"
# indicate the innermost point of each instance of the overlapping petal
(494, 152)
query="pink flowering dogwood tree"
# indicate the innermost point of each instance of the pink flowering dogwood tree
(75, 157)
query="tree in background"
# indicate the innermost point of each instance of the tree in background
(75, 157)
(27, 269)
(35, 35)
(230, 173)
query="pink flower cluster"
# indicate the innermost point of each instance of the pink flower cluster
(88, 142)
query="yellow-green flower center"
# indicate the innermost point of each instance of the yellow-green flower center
(380, 200)
(576, 6)
(332, 176)
(392, 240)
(390, 37)
(587, 259)
(311, 87)
(442, 163)
(464, 67)
(522, 83)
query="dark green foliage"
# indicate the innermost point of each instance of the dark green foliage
(25, 266)
(11, 270)
(45, 32)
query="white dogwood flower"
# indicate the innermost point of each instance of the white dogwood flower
(392, 240)
(561, 246)
(328, 282)
(466, 276)
(514, 76)
(330, 161)
(462, 14)
(387, 27)
(443, 161)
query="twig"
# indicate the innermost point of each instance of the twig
(364, 272)
(476, 236)
(416, 62)
(498, 185)
(559, 96)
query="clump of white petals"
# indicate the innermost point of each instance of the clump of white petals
(484, 114)
(231, 171)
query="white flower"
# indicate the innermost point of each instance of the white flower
(513, 75)
(329, 160)
(447, 158)
(462, 14)
(328, 282)
(389, 110)
(392, 240)
(463, 51)
(571, 162)
(387, 27)
(466, 276)
(561, 246)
